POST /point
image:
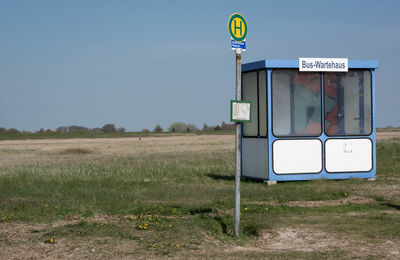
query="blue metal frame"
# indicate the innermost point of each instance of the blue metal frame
(269, 65)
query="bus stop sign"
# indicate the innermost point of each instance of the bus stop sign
(237, 27)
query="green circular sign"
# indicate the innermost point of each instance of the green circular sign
(237, 27)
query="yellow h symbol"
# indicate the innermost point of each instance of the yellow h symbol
(238, 27)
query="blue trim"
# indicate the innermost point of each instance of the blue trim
(363, 64)
(290, 64)
(323, 137)
(253, 65)
(269, 124)
(373, 135)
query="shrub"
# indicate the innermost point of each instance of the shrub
(158, 129)
(109, 128)
(182, 127)
(12, 131)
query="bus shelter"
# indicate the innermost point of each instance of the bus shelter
(308, 125)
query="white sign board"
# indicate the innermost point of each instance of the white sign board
(324, 64)
(240, 111)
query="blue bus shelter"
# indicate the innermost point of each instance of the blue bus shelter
(308, 125)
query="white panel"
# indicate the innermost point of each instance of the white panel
(297, 156)
(348, 155)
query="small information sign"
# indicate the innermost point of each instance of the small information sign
(240, 111)
(236, 45)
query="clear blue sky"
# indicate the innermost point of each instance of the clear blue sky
(141, 63)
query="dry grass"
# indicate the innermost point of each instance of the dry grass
(306, 220)
(71, 151)
(387, 135)
(17, 152)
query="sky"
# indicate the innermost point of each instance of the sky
(137, 64)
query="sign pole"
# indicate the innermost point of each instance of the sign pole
(237, 141)
(237, 27)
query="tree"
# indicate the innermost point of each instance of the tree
(191, 128)
(62, 129)
(145, 130)
(109, 128)
(121, 130)
(177, 127)
(205, 127)
(12, 131)
(225, 126)
(158, 129)
(77, 128)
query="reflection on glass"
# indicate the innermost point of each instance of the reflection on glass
(348, 103)
(250, 94)
(296, 102)
(262, 98)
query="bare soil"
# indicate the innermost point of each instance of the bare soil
(23, 241)
(320, 203)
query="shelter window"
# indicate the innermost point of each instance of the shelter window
(255, 91)
(296, 103)
(348, 109)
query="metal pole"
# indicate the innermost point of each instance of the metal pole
(237, 142)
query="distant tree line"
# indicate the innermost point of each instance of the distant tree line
(107, 128)
(178, 127)
(223, 126)
(9, 131)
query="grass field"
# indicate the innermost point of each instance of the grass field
(173, 197)
(99, 134)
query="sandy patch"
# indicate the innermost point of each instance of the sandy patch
(305, 239)
(318, 203)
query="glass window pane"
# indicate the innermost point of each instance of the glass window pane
(250, 94)
(296, 103)
(348, 103)
(262, 98)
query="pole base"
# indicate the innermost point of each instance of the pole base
(269, 183)
(371, 179)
